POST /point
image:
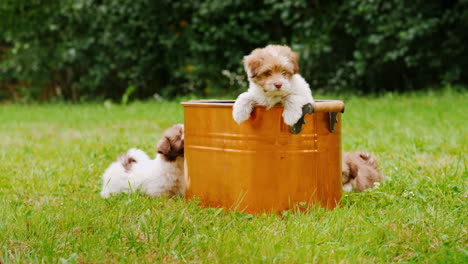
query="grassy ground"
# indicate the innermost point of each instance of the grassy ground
(51, 158)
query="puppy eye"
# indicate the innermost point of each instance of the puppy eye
(268, 73)
(285, 73)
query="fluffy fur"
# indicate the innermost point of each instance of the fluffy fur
(163, 176)
(360, 171)
(273, 78)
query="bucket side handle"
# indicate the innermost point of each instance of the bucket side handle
(306, 109)
(332, 120)
(330, 107)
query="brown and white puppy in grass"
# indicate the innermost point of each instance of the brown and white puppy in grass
(162, 176)
(360, 171)
(274, 78)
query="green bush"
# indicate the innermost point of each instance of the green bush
(90, 49)
(379, 45)
(85, 48)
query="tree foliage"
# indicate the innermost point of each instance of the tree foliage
(91, 49)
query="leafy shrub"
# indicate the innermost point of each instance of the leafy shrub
(90, 49)
(373, 46)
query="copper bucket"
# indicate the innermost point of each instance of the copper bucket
(259, 166)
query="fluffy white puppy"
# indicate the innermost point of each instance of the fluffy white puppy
(163, 176)
(273, 78)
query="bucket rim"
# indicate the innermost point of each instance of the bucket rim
(326, 105)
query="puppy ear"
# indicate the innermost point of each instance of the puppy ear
(127, 161)
(164, 146)
(364, 155)
(353, 169)
(293, 57)
(252, 65)
(367, 157)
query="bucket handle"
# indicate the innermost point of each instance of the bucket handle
(309, 109)
(306, 109)
(332, 120)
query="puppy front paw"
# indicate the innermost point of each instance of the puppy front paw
(240, 114)
(291, 116)
(347, 187)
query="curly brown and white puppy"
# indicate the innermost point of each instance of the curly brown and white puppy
(360, 171)
(274, 78)
(163, 176)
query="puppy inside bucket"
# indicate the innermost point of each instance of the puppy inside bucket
(274, 78)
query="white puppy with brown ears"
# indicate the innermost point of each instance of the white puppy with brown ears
(163, 176)
(274, 78)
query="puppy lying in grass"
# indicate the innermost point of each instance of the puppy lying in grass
(274, 78)
(163, 176)
(360, 171)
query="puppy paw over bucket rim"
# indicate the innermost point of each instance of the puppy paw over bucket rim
(320, 106)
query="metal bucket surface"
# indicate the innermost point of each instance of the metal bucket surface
(259, 166)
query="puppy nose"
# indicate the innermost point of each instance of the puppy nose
(278, 85)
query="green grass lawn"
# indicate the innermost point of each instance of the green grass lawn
(52, 157)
